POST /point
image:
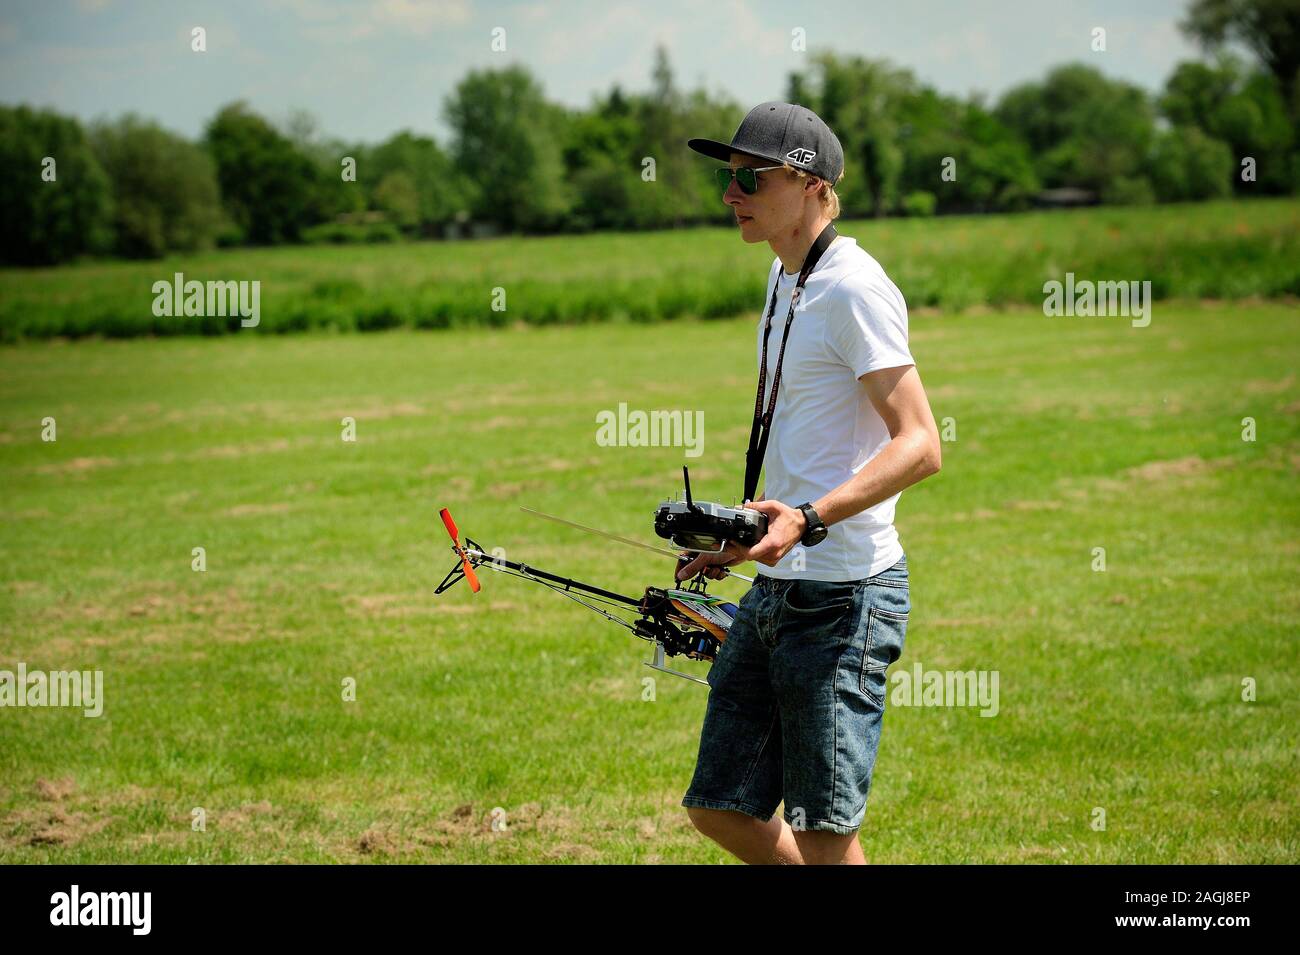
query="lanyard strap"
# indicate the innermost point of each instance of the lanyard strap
(762, 427)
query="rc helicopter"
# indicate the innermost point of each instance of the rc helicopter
(682, 620)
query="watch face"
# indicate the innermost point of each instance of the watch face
(815, 534)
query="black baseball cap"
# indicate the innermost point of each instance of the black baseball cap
(782, 133)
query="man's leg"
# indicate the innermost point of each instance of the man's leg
(819, 847)
(835, 642)
(737, 780)
(748, 839)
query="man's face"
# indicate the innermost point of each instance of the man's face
(776, 206)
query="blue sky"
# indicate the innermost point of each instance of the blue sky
(368, 68)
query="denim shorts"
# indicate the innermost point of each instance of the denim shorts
(796, 698)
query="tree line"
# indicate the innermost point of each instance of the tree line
(516, 162)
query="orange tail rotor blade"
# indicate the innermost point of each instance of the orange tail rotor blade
(450, 524)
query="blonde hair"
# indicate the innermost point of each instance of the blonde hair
(830, 200)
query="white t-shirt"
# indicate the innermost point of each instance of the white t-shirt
(851, 319)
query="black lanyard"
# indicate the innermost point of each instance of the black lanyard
(763, 421)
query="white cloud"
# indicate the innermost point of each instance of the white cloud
(421, 16)
(532, 11)
(577, 38)
(351, 21)
(745, 32)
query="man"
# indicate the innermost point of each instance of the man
(797, 691)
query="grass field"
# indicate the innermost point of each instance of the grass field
(1119, 689)
(1221, 250)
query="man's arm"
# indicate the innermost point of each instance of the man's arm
(913, 454)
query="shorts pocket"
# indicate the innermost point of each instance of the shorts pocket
(806, 599)
(885, 633)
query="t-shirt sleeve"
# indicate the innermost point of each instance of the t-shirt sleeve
(867, 326)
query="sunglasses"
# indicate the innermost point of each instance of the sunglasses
(746, 177)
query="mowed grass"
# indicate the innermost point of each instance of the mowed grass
(1119, 690)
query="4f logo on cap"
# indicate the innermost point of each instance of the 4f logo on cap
(801, 156)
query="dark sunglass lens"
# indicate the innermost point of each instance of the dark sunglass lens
(748, 180)
(724, 179)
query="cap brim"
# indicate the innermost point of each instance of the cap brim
(721, 151)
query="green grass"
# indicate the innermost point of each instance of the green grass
(1119, 690)
(1225, 250)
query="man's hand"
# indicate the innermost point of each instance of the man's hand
(785, 528)
(711, 564)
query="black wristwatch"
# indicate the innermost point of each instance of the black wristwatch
(816, 531)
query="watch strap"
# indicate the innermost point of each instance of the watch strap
(814, 521)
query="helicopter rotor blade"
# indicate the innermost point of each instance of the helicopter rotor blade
(614, 537)
(591, 530)
(452, 530)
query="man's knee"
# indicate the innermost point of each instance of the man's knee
(710, 822)
(820, 847)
